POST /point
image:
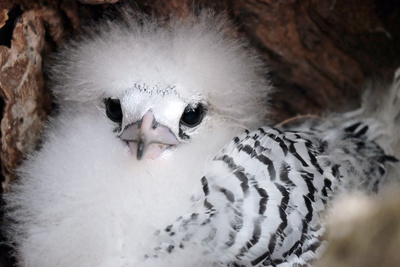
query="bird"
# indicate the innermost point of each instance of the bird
(161, 153)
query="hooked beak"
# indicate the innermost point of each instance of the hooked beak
(148, 137)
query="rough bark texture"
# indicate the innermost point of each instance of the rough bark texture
(21, 81)
(320, 53)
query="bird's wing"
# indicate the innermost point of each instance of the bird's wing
(265, 193)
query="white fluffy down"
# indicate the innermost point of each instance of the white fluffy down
(85, 201)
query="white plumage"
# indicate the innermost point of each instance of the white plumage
(144, 108)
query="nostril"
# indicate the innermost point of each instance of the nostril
(154, 124)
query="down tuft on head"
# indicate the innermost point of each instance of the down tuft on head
(196, 55)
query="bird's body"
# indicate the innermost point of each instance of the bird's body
(144, 110)
(157, 85)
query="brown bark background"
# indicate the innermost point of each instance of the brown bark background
(320, 53)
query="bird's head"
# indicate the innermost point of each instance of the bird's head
(162, 85)
(154, 121)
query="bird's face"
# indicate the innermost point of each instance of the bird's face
(153, 121)
(168, 87)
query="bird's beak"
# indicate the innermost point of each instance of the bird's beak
(148, 137)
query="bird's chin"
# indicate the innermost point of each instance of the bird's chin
(152, 151)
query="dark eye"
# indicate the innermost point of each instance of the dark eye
(113, 109)
(192, 116)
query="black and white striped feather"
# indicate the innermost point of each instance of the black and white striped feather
(266, 192)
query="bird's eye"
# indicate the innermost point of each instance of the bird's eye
(113, 110)
(192, 116)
